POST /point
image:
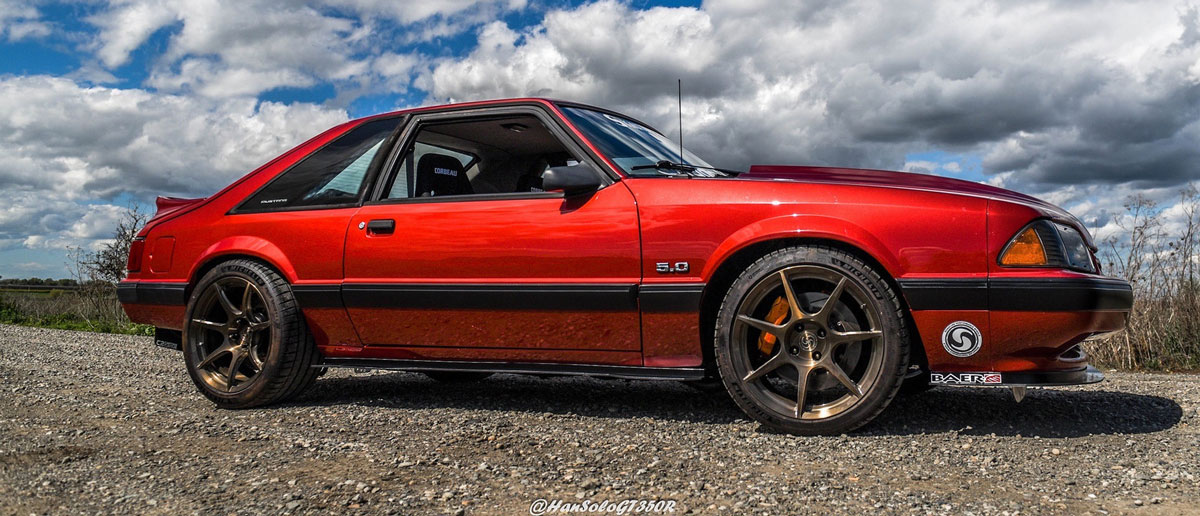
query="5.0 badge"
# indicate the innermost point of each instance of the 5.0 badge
(668, 268)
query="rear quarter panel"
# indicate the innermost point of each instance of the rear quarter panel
(303, 246)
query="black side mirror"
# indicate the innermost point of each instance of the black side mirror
(571, 179)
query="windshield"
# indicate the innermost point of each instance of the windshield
(629, 144)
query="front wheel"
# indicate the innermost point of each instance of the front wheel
(245, 341)
(811, 340)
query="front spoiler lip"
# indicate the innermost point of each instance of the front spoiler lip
(1018, 379)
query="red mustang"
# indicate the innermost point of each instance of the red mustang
(546, 237)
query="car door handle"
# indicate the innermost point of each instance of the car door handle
(381, 227)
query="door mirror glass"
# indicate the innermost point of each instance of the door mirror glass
(571, 179)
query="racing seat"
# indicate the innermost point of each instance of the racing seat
(439, 175)
(531, 181)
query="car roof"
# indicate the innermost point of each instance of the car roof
(501, 102)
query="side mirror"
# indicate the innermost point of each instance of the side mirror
(571, 179)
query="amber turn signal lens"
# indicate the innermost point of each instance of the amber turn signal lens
(1025, 249)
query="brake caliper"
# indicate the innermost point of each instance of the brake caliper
(778, 313)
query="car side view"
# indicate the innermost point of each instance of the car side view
(545, 237)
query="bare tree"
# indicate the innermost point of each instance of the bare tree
(1164, 326)
(99, 271)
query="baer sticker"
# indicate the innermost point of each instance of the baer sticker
(965, 378)
(962, 339)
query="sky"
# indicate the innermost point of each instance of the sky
(107, 104)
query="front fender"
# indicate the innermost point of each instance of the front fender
(803, 226)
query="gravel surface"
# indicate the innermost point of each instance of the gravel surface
(111, 424)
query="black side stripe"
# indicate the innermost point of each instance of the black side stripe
(946, 294)
(318, 296)
(670, 298)
(570, 297)
(1018, 294)
(1059, 294)
(573, 297)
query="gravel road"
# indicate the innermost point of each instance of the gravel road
(111, 424)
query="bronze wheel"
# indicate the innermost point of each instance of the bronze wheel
(232, 332)
(810, 341)
(245, 341)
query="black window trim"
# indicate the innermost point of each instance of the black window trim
(368, 178)
(413, 126)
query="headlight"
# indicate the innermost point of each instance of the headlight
(1044, 243)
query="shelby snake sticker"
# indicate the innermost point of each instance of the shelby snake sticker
(961, 339)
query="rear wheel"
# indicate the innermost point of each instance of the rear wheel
(245, 342)
(811, 340)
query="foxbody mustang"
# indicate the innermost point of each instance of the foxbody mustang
(544, 237)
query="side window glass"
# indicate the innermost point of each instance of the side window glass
(402, 184)
(479, 157)
(332, 175)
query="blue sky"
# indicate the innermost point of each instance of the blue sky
(106, 104)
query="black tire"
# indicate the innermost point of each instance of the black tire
(456, 376)
(813, 345)
(270, 333)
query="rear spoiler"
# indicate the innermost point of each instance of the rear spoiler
(169, 205)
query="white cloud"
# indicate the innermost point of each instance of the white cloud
(1096, 91)
(126, 25)
(20, 21)
(412, 12)
(224, 48)
(71, 150)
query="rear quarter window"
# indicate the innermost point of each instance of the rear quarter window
(331, 176)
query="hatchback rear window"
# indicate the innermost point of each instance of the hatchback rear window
(333, 175)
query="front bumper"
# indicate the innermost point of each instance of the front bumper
(1029, 326)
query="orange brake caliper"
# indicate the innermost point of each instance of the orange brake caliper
(778, 313)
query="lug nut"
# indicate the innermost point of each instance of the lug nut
(817, 356)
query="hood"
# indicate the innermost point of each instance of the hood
(889, 179)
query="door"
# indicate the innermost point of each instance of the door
(462, 255)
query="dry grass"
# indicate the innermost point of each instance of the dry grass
(94, 309)
(1159, 257)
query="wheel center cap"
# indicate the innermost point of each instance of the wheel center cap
(808, 341)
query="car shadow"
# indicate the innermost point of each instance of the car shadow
(1052, 412)
(967, 411)
(567, 395)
